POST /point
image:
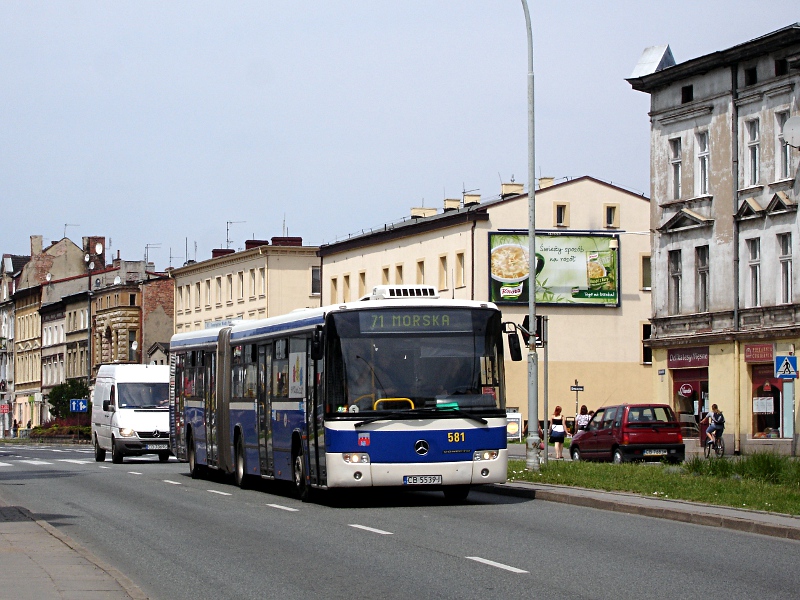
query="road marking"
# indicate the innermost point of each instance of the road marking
(105, 467)
(55, 450)
(172, 482)
(220, 493)
(74, 461)
(36, 462)
(491, 563)
(287, 508)
(5, 464)
(134, 473)
(373, 530)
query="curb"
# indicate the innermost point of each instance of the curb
(674, 514)
(130, 588)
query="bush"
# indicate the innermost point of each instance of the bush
(763, 466)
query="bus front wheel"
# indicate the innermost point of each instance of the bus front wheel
(299, 472)
(194, 468)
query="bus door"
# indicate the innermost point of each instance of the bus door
(280, 408)
(264, 422)
(177, 416)
(315, 422)
(210, 401)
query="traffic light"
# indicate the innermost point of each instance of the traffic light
(538, 333)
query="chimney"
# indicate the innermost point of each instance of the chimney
(250, 244)
(472, 199)
(421, 212)
(217, 252)
(511, 189)
(36, 245)
(287, 241)
(545, 182)
(451, 204)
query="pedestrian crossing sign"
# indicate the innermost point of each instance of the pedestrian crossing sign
(786, 367)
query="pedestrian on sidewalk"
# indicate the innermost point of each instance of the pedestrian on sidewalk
(582, 419)
(558, 431)
(14, 429)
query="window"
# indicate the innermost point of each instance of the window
(398, 274)
(611, 215)
(754, 263)
(785, 259)
(240, 277)
(460, 270)
(420, 272)
(783, 151)
(362, 284)
(219, 291)
(132, 298)
(781, 67)
(675, 162)
(207, 292)
(562, 215)
(334, 290)
(385, 276)
(752, 152)
(316, 288)
(701, 264)
(262, 281)
(346, 288)
(229, 281)
(132, 352)
(180, 298)
(197, 296)
(702, 164)
(687, 94)
(442, 272)
(750, 76)
(674, 282)
(252, 273)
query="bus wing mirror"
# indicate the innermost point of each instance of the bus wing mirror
(510, 330)
(317, 343)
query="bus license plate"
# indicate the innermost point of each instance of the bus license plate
(422, 480)
(657, 452)
(156, 446)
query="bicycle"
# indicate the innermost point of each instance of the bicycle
(717, 446)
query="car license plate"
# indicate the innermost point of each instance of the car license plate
(155, 446)
(422, 480)
(656, 452)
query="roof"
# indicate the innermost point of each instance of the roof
(722, 58)
(13, 263)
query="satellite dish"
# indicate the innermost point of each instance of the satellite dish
(87, 258)
(117, 280)
(98, 248)
(49, 276)
(91, 265)
(791, 132)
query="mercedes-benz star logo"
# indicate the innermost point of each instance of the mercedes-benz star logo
(155, 433)
(421, 447)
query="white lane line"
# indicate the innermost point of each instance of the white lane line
(75, 461)
(55, 450)
(36, 462)
(287, 508)
(491, 563)
(5, 464)
(172, 482)
(134, 473)
(220, 493)
(105, 467)
(373, 530)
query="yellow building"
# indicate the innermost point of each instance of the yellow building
(596, 324)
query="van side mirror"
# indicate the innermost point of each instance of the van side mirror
(317, 343)
(514, 348)
(106, 405)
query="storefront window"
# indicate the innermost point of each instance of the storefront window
(690, 398)
(767, 401)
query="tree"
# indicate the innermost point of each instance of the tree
(61, 394)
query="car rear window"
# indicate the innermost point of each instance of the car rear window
(650, 414)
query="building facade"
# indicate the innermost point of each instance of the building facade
(724, 192)
(264, 280)
(595, 332)
(11, 268)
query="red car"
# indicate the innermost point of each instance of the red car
(630, 432)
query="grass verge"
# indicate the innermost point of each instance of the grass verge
(757, 482)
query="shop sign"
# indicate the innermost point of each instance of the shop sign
(759, 353)
(683, 358)
(686, 390)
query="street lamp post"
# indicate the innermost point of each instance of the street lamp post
(533, 440)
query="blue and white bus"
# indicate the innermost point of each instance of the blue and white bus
(401, 388)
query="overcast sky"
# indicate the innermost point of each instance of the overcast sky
(158, 122)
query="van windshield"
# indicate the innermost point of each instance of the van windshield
(143, 395)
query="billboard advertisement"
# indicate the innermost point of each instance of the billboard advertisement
(577, 269)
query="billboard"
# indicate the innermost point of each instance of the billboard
(580, 269)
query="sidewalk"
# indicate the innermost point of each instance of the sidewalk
(40, 563)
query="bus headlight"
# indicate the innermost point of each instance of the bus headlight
(127, 432)
(355, 457)
(486, 455)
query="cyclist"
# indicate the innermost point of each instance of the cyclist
(716, 423)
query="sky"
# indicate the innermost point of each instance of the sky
(172, 128)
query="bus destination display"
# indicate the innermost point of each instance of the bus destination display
(418, 321)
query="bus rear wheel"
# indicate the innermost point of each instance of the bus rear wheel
(239, 470)
(301, 489)
(194, 468)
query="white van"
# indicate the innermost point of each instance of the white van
(130, 412)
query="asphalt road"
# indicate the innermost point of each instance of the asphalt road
(180, 538)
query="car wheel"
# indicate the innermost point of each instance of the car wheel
(617, 458)
(116, 454)
(240, 471)
(99, 453)
(575, 454)
(299, 475)
(456, 493)
(194, 468)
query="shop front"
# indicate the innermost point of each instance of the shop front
(690, 398)
(772, 401)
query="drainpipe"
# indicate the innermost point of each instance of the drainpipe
(472, 270)
(737, 380)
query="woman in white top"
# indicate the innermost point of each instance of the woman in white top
(582, 419)
(558, 431)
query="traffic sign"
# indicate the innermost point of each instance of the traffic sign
(79, 405)
(786, 367)
(5, 408)
(576, 388)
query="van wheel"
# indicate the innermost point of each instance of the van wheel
(301, 489)
(99, 453)
(194, 468)
(617, 457)
(163, 456)
(575, 454)
(240, 471)
(116, 455)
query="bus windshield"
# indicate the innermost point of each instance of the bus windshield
(402, 359)
(143, 395)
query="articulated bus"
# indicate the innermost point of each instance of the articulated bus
(401, 388)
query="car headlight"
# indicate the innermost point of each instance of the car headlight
(486, 455)
(127, 432)
(355, 457)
